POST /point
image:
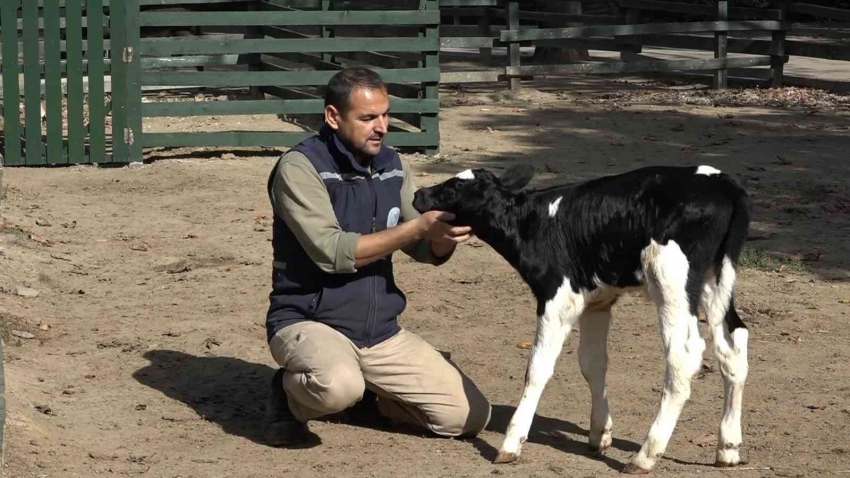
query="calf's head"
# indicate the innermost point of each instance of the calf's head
(469, 194)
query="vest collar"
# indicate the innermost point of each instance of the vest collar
(340, 153)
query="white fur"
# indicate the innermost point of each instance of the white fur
(593, 361)
(559, 316)
(553, 206)
(666, 269)
(468, 175)
(707, 170)
(731, 353)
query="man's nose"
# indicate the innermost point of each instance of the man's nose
(382, 125)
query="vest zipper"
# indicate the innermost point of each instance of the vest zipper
(373, 299)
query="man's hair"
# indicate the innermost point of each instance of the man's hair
(338, 91)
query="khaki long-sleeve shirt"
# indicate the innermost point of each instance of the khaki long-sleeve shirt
(300, 198)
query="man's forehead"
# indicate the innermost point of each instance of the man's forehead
(368, 99)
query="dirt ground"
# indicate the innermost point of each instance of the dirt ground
(147, 354)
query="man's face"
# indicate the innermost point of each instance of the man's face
(364, 123)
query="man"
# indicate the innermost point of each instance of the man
(342, 205)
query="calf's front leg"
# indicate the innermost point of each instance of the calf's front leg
(553, 325)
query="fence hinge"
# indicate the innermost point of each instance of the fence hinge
(127, 54)
(128, 136)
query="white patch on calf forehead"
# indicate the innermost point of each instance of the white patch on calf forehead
(707, 170)
(465, 174)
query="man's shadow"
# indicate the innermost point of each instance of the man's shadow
(550, 432)
(229, 392)
(232, 393)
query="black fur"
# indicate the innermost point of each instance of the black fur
(601, 226)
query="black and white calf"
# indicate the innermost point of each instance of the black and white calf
(675, 232)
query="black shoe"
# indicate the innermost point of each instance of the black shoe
(366, 412)
(281, 426)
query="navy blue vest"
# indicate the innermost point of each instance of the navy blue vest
(363, 306)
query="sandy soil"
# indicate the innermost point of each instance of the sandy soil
(149, 359)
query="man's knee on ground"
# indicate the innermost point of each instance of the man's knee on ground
(329, 393)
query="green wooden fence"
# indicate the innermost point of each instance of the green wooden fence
(55, 108)
(64, 68)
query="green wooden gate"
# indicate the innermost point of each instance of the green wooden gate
(81, 87)
(64, 95)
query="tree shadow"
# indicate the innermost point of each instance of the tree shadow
(551, 432)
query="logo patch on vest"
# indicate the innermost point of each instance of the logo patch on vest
(392, 218)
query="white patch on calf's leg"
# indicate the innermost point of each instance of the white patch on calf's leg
(593, 361)
(707, 170)
(468, 175)
(666, 269)
(731, 353)
(558, 318)
(553, 206)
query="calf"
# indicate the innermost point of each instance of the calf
(674, 232)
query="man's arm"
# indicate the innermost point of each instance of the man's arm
(426, 251)
(300, 197)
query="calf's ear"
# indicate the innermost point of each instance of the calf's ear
(517, 177)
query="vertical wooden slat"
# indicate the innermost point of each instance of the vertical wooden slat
(485, 53)
(777, 48)
(32, 84)
(631, 46)
(429, 123)
(118, 40)
(513, 49)
(76, 120)
(721, 39)
(327, 32)
(11, 90)
(53, 82)
(97, 115)
(134, 87)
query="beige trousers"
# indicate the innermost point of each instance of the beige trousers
(326, 373)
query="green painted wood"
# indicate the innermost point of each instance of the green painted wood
(76, 121)
(97, 97)
(515, 35)
(276, 78)
(146, 3)
(134, 86)
(63, 46)
(429, 123)
(636, 67)
(470, 3)
(11, 88)
(259, 107)
(53, 69)
(41, 21)
(32, 85)
(118, 33)
(263, 138)
(329, 18)
(231, 46)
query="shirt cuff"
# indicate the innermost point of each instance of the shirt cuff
(346, 252)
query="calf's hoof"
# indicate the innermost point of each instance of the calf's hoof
(505, 457)
(632, 469)
(597, 450)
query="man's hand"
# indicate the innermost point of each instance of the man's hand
(432, 226)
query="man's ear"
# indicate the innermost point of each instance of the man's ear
(517, 177)
(332, 117)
